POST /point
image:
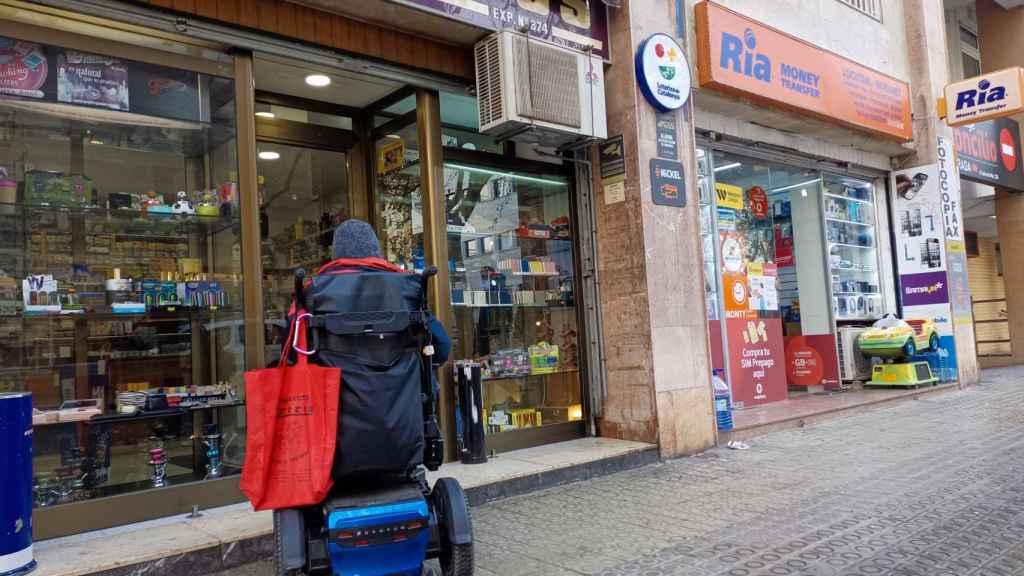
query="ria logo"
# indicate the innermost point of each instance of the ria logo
(741, 57)
(984, 94)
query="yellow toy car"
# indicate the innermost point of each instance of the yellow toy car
(892, 337)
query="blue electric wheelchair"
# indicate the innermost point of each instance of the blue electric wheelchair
(382, 517)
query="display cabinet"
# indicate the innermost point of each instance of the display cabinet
(120, 272)
(851, 236)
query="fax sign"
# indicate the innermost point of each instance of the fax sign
(663, 73)
(985, 97)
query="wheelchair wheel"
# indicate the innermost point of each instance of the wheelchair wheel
(289, 532)
(451, 506)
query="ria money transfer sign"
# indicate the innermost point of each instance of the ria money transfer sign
(741, 56)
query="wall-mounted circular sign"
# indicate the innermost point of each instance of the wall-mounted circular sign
(663, 72)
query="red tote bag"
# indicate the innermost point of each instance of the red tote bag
(292, 427)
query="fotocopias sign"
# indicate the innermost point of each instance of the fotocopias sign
(741, 56)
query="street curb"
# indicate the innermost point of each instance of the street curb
(230, 555)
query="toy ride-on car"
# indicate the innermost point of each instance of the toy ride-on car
(381, 518)
(892, 337)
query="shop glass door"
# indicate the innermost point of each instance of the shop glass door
(773, 292)
(303, 197)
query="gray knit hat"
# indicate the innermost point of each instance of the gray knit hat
(355, 239)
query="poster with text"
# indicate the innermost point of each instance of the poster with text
(812, 361)
(756, 352)
(921, 257)
(92, 79)
(23, 68)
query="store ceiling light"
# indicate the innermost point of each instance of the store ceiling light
(269, 155)
(505, 174)
(318, 80)
(790, 187)
(265, 114)
(727, 167)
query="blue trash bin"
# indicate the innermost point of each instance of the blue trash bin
(16, 474)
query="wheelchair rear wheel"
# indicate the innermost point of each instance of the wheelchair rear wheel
(289, 539)
(452, 506)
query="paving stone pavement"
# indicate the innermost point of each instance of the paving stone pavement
(932, 487)
(929, 487)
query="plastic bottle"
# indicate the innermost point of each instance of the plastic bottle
(723, 406)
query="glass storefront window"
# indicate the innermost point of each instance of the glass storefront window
(512, 288)
(399, 199)
(120, 269)
(797, 253)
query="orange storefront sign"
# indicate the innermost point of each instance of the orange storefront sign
(746, 58)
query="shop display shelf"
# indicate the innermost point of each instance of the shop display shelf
(853, 222)
(290, 243)
(531, 306)
(531, 375)
(843, 244)
(152, 315)
(849, 199)
(854, 270)
(184, 223)
(545, 274)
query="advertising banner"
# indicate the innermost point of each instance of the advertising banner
(992, 95)
(926, 213)
(956, 250)
(164, 92)
(753, 327)
(989, 152)
(744, 57)
(577, 24)
(92, 79)
(756, 370)
(812, 361)
(23, 68)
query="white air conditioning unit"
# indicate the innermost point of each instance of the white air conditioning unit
(531, 91)
(852, 364)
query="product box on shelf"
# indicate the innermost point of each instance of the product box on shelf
(40, 294)
(543, 358)
(56, 189)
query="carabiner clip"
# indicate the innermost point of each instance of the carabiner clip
(295, 339)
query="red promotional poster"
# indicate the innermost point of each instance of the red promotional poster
(784, 244)
(23, 68)
(812, 361)
(756, 356)
(757, 199)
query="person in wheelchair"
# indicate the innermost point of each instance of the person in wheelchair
(370, 318)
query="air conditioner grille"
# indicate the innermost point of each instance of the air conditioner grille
(546, 77)
(489, 88)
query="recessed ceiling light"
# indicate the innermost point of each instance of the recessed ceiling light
(265, 114)
(993, 216)
(269, 155)
(318, 80)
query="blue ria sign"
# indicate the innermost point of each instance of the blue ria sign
(985, 97)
